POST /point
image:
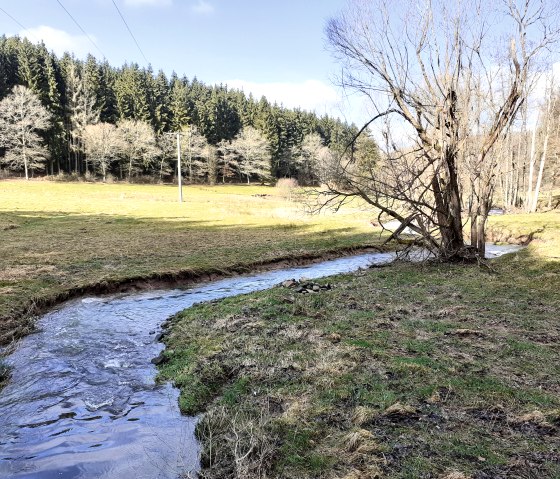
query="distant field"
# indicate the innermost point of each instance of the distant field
(59, 237)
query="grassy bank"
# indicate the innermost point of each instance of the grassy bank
(61, 239)
(410, 371)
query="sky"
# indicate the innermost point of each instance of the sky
(275, 48)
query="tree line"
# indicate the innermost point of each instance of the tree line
(86, 117)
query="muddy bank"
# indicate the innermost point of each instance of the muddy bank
(21, 323)
(503, 234)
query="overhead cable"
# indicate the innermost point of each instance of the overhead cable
(130, 31)
(26, 29)
(82, 30)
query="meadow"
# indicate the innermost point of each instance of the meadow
(64, 239)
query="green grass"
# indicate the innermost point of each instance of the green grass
(61, 238)
(404, 372)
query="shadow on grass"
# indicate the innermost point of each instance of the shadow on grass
(49, 257)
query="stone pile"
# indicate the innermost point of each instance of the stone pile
(305, 287)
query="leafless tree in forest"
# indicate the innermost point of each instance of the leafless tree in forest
(21, 118)
(196, 152)
(254, 153)
(449, 78)
(540, 152)
(102, 145)
(138, 145)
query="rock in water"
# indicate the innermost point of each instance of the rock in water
(159, 359)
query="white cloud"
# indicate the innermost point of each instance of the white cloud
(148, 3)
(60, 41)
(312, 95)
(202, 7)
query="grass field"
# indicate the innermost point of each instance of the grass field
(59, 239)
(410, 371)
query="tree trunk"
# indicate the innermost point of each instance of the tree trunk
(474, 228)
(543, 155)
(25, 165)
(532, 161)
(481, 234)
(539, 178)
(448, 207)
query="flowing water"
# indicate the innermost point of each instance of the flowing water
(82, 401)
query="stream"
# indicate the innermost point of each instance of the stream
(82, 401)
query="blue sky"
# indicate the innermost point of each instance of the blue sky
(275, 47)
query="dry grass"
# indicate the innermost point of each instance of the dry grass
(433, 371)
(62, 238)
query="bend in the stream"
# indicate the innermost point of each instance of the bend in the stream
(82, 401)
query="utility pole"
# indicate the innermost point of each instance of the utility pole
(179, 174)
(179, 167)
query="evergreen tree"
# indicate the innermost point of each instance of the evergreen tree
(178, 112)
(159, 103)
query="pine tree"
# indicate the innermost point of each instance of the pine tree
(178, 104)
(29, 68)
(159, 103)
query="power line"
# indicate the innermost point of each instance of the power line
(26, 29)
(80, 27)
(130, 31)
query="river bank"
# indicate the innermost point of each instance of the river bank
(82, 393)
(429, 370)
(62, 240)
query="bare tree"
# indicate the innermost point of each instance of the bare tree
(21, 117)
(442, 76)
(254, 153)
(312, 148)
(167, 147)
(196, 152)
(138, 145)
(102, 145)
(211, 166)
(228, 159)
(533, 190)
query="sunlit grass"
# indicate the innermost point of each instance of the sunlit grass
(62, 236)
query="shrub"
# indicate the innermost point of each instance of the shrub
(287, 187)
